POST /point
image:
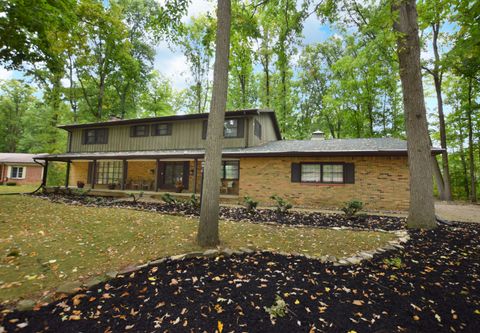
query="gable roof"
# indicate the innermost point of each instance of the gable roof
(228, 114)
(333, 147)
(16, 158)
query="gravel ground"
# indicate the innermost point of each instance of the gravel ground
(458, 211)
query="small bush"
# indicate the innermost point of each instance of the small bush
(169, 199)
(80, 192)
(352, 207)
(278, 309)
(135, 197)
(394, 262)
(249, 203)
(11, 184)
(193, 201)
(282, 206)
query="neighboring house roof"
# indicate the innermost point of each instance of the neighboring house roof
(333, 147)
(16, 158)
(228, 114)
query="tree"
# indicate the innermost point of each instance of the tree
(196, 43)
(433, 15)
(422, 211)
(208, 227)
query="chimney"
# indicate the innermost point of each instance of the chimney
(318, 135)
(114, 118)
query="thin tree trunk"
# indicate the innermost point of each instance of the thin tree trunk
(464, 163)
(208, 226)
(437, 78)
(422, 210)
(473, 189)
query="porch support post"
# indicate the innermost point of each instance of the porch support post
(124, 174)
(157, 169)
(195, 175)
(67, 176)
(45, 173)
(94, 173)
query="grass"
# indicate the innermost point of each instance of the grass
(18, 188)
(43, 244)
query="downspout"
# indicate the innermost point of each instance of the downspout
(43, 180)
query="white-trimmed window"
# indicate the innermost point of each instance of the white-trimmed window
(17, 172)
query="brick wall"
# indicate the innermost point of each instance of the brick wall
(33, 174)
(382, 183)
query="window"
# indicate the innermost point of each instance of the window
(310, 172)
(332, 173)
(161, 129)
(230, 170)
(321, 173)
(139, 130)
(17, 172)
(257, 129)
(230, 129)
(95, 136)
(109, 172)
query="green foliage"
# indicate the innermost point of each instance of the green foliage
(169, 199)
(394, 262)
(136, 196)
(249, 203)
(193, 201)
(279, 309)
(56, 174)
(352, 207)
(281, 205)
(80, 192)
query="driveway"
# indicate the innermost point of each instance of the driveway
(458, 211)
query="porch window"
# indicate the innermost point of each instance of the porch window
(109, 172)
(139, 130)
(230, 170)
(17, 172)
(162, 129)
(95, 136)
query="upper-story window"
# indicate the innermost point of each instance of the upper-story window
(232, 128)
(139, 130)
(162, 129)
(95, 136)
(257, 129)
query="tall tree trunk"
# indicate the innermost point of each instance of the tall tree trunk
(208, 226)
(471, 157)
(422, 210)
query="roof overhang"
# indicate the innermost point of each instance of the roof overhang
(165, 154)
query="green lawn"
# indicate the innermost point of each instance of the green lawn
(43, 244)
(18, 188)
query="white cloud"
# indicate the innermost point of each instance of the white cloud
(5, 74)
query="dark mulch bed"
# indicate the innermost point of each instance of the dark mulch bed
(238, 214)
(436, 289)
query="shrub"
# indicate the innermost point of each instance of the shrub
(169, 199)
(352, 207)
(249, 203)
(393, 262)
(193, 201)
(11, 184)
(278, 309)
(80, 192)
(282, 206)
(135, 197)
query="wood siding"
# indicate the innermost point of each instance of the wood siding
(186, 134)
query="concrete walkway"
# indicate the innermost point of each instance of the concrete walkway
(462, 212)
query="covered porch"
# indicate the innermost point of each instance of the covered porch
(173, 175)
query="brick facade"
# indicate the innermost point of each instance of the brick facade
(33, 174)
(382, 183)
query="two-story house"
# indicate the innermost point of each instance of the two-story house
(165, 154)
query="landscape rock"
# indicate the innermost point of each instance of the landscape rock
(210, 253)
(25, 305)
(69, 287)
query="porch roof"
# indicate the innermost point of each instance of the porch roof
(333, 147)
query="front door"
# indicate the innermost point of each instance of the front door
(172, 174)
